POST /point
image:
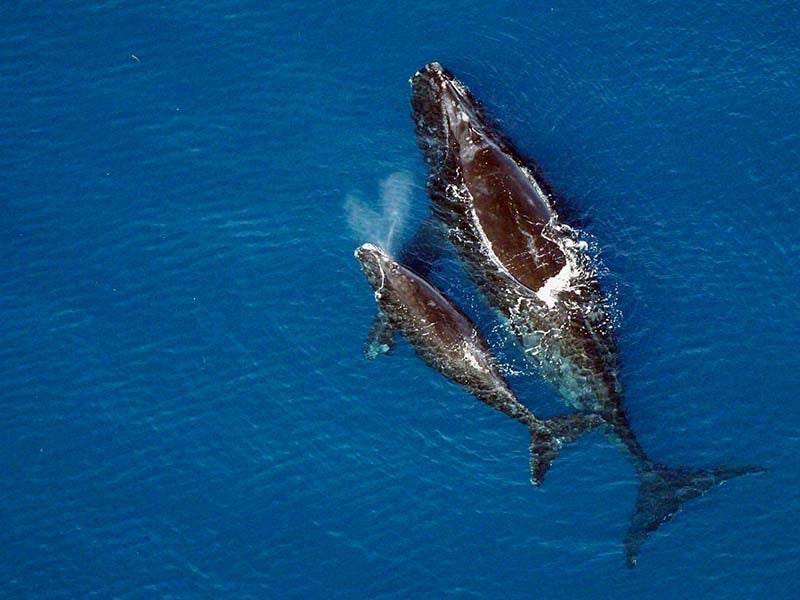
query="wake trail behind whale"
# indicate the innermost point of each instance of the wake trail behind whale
(387, 225)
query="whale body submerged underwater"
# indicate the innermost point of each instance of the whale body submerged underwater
(499, 214)
(445, 338)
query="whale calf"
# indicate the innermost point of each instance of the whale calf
(501, 216)
(447, 340)
(419, 254)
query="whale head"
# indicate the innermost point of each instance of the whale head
(375, 263)
(446, 114)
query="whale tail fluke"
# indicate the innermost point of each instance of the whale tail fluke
(548, 436)
(662, 492)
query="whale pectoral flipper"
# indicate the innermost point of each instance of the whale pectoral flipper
(662, 492)
(549, 436)
(380, 339)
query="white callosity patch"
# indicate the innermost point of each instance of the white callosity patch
(378, 292)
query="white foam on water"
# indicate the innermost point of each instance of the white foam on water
(383, 226)
(556, 284)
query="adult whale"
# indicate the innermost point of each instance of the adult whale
(499, 214)
(445, 338)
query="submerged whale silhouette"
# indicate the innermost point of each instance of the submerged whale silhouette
(499, 214)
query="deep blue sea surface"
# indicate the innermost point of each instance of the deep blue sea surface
(185, 408)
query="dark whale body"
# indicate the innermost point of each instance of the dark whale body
(499, 214)
(445, 338)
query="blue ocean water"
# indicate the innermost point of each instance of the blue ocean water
(185, 409)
